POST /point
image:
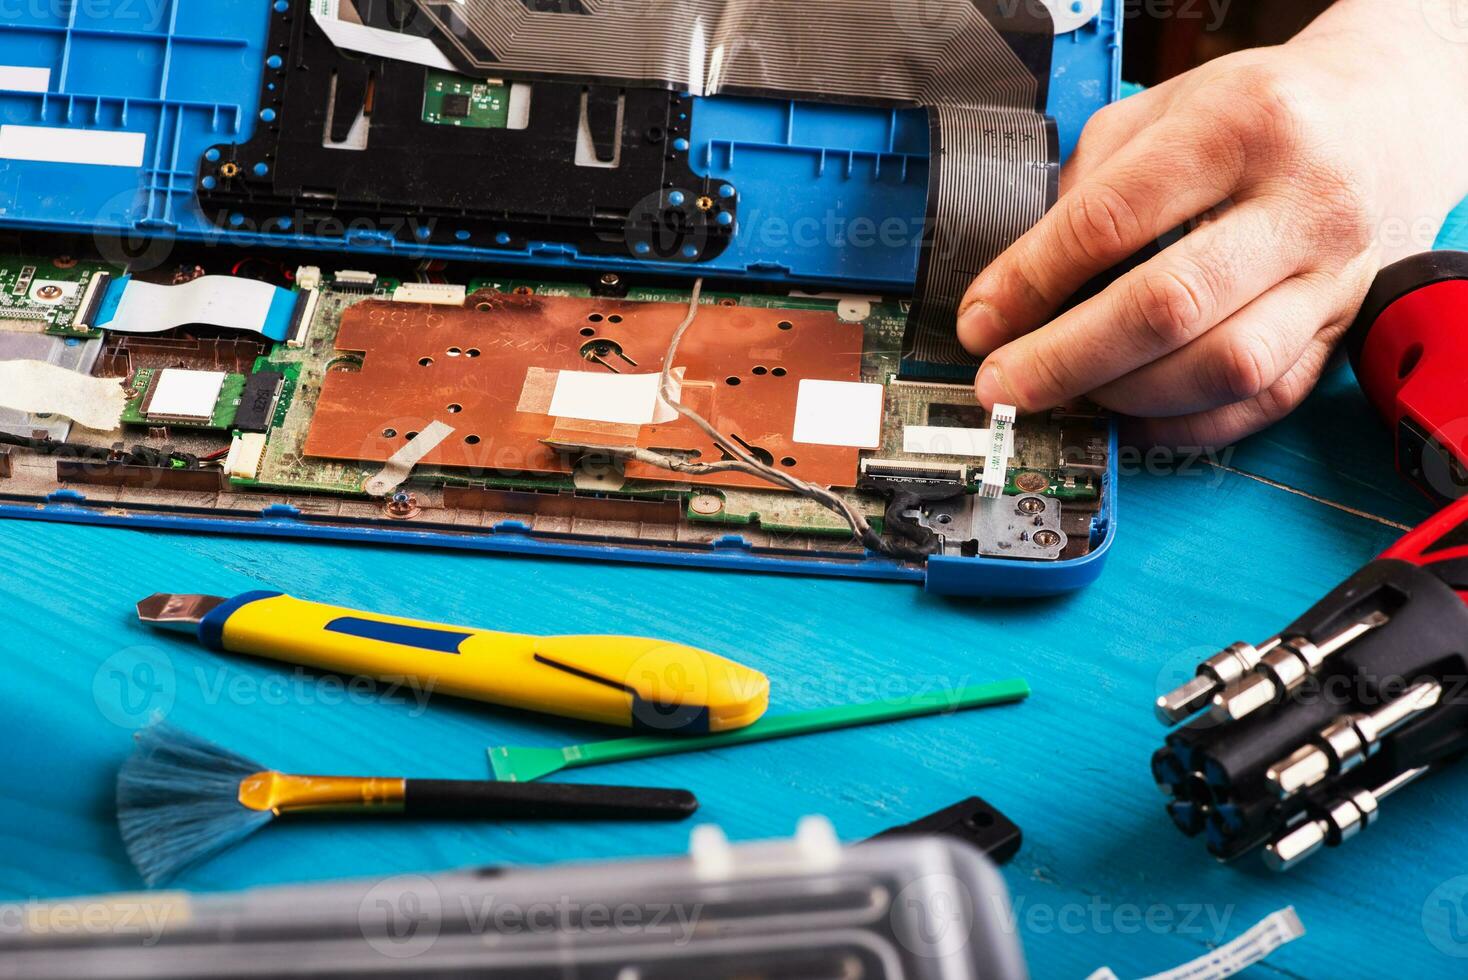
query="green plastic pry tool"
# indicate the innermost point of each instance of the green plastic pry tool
(525, 764)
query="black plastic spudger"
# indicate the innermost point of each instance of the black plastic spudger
(475, 799)
(972, 821)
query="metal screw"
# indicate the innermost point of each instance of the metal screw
(611, 279)
(1047, 538)
(48, 291)
(1031, 505)
(402, 505)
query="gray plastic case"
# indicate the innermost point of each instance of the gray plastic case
(900, 908)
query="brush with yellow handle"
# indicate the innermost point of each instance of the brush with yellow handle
(632, 682)
(181, 799)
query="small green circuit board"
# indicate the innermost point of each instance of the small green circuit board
(44, 295)
(221, 418)
(453, 100)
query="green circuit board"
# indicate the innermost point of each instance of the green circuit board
(453, 100)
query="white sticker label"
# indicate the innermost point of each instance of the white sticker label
(1001, 448)
(17, 78)
(839, 413)
(618, 399)
(937, 440)
(53, 144)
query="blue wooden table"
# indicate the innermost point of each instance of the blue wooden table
(1204, 557)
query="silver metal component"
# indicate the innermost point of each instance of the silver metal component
(1349, 741)
(1295, 846)
(180, 612)
(1243, 698)
(1214, 674)
(1304, 767)
(1027, 526)
(1284, 669)
(1341, 820)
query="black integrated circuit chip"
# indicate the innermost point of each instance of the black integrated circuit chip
(257, 401)
(456, 105)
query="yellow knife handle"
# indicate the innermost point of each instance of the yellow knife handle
(615, 680)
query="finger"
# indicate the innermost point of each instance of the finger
(1220, 427)
(1181, 168)
(1108, 132)
(1240, 358)
(1206, 277)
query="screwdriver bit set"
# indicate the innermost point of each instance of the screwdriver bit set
(1292, 744)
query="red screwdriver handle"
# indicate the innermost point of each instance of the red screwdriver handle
(1409, 347)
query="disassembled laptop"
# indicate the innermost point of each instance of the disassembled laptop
(462, 406)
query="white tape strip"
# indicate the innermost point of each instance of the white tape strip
(938, 440)
(838, 413)
(618, 399)
(1269, 934)
(18, 78)
(1001, 448)
(400, 466)
(55, 144)
(41, 388)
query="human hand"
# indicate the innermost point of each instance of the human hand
(1301, 162)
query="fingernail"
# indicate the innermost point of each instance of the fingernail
(979, 327)
(990, 387)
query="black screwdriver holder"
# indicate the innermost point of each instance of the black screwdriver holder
(972, 821)
(1215, 771)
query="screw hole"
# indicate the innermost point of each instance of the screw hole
(761, 370)
(472, 352)
(389, 433)
(483, 307)
(471, 440)
(588, 331)
(614, 318)
(425, 361)
(778, 372)
(454, 352)
(788, 461)
(731, 381)
(455, 408)
(595, 318)
(785, 325)
(411, 436)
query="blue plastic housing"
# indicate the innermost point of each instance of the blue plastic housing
(818, 185)
(816, 182)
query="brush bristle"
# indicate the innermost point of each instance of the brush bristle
(178, 801)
